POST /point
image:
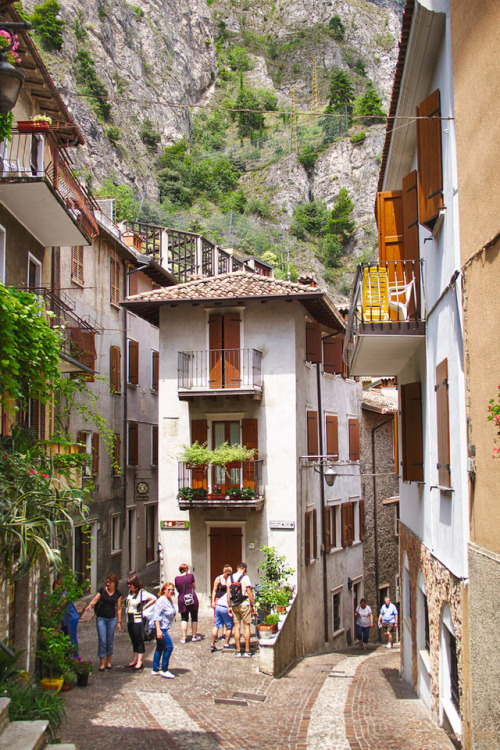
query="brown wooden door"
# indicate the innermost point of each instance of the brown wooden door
(225, 549)
(224, 345)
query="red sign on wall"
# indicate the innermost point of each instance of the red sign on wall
(174, 525)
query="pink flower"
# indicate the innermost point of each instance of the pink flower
(31, 471)
(45, 476)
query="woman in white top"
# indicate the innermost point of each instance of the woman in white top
(364, 621)
(137, 601)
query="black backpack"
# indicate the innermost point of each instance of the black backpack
(236, 594)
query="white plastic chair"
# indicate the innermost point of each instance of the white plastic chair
(399, 298)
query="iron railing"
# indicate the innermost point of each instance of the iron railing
(239, 479)
(34, 155)
(220, 369)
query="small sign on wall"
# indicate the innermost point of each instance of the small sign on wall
(284, 525)
(174, 525)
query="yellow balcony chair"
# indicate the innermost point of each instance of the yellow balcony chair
(375, 294)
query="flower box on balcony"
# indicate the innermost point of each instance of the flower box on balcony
(30, 126)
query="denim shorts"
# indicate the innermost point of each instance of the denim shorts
(222, 618)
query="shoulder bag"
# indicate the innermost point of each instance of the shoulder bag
(188, 598)
(148, 633)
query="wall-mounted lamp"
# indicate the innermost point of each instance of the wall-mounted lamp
(11, 79)
(327, 472)
(349, 584)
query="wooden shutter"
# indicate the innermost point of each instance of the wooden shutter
(231, 346)
(332, 436)
(155, 366)
(443, 424)
(390, 237)
(313, 342)
(329, 512)
(199, 432)
(307, 537)
(345, 524)
(395, 438)
(114, 281)
(215, 346)
(312, 434)
(429, 156)
(115, 379)
(362, 520)
(354, 440)
(133, 283)
(95, 454)
(154, 446)
(133, 444)
(315, 533)
(332, 355)
(77, 264)
(117, 455)
(412, 433)
(250, 438)
(410, 238)
(133, 362)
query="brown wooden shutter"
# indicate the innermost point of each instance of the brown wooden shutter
(312, 434)
(95, 454)
(77, 264)
(429, 156)
(199, 434)
(133, 362)
(315, 533)
(215, 346)
(443, 424)
(307, 537)
(231, 341)
(411, 432)
(396, 444)
(390, 236)
(117, 455)
(328, 527)
(345, 524)
(350, 516)
(114, 281)
(155, 365)
(332, 436)
(250, 438)
(81, 441)
(313, 342)
(362, 520)
(154, 447)
(133, 285)
(115, 378)
(410, 238)
(354, 440)
(133, 444)
(332, 355)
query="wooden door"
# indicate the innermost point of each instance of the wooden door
(224, 355)
(82, 553)
(226, 432)
(150, 533)
(225, 549)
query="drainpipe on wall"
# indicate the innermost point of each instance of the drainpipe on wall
(375, 536)
(125, 414)
(322, 504)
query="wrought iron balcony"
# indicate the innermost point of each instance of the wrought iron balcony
(225, 371)
(210, 486)
(38, 186)
(386, 323)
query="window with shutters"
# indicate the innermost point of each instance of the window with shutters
(114, 281)
(412, 440)
(95, 454)
(116, 535)
(224, 332)
(40, 418)
(332, 436)
(85, 445)
(337, 610)
(154, 445)
(313, 343)
(133, 362)
(353, 426)
(332, 527)
(116, 455)
(310, 536)
(133, 444)
(443, 424)
(77, 264)
(312, 435)
(115, 369)
(347, 513)
(155, 370)
(429, 158)
(332, 356)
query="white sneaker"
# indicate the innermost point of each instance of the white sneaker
(183, 640)
(168, 675)
(389, 645)
(155, 673)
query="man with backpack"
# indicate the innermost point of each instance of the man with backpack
(241, 607)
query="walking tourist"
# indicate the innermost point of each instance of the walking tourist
(241, 606)
(137, 601)
(388, 619)
(163, 617)
(364, 621)
(107, 605)
(187, 602)
(220, 607)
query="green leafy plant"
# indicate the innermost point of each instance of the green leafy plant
(494, 416)
(53, 602)
(8, 669)
(358, 138)
(337, 27)
(79, 27)
(48, 24)
(186, 493)
(54, 652)
(31, 702)
(82, 667)
(369, 107)
(113, 134)
(6, 122)
(272, 619)
(91, 86)
(149, 136)
(274, 572)
(42, 118)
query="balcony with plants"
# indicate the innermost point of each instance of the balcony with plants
(227, 477)
(227, 372)
(386, 323)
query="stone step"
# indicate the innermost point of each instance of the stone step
(4, 712)
(64, 746)
(24, 735)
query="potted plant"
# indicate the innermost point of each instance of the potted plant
(53, 651)
(186, 493)
(248, 492)
(36, 124)
(82, 669)
(269, 626)
(69, 678)
(281, 600)
(274, 572)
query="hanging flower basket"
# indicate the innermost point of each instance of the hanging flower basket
(30, 126)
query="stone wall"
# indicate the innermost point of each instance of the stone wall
(276, 658)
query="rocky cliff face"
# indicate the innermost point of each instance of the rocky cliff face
(157, 59)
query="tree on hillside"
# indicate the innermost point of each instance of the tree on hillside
(341, 93)
(340, 224)
(250, 120)
(369, 107)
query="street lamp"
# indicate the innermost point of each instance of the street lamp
(327, 472)
(11, 79)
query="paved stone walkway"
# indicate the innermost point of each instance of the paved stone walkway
(336, 701)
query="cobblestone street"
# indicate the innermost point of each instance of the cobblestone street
(335, 701)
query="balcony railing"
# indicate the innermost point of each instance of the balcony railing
(388, 300)
(29, 156)
(237, 486)
(228, 370)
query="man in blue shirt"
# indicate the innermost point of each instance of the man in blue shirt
(388, 619)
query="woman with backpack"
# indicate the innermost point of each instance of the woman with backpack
(188, 602)
(220, 607)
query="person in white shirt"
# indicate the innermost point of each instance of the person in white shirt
(388, 619)
(242, 608)
(364, 621)
(137, 601)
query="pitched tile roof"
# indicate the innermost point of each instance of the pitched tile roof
(239, 285)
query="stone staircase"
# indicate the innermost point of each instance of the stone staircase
(23, 735)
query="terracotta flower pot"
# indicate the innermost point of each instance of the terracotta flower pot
(266, 631)
(30, 126)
